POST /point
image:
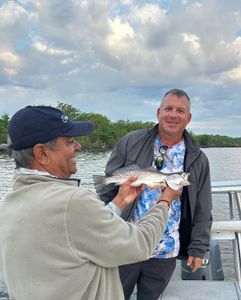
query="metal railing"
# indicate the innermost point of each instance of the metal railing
(230, 230)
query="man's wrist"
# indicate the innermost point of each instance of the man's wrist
(119, 202)
(114, 208)
(164, 202)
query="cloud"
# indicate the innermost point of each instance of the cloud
(10, 63)
(107, 55)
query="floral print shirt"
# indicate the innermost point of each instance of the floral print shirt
(169, 244)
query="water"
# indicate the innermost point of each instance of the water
(225, 164)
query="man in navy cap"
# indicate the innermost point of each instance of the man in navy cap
(57, 240)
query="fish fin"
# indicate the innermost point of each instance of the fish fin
(125, 169)
(150, 169)
(99, 182)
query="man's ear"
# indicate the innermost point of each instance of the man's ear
(157, 113)
(190, 118)
(41, 154)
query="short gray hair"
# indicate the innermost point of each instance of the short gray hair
(25, 157)
(179, 93)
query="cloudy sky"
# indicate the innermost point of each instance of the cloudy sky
(118, 57)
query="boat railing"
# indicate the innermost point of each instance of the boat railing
(231, 229)
(233, 189)
(209, 284)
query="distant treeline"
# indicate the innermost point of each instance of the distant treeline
(107, 133)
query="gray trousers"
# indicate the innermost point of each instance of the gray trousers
(150, 277)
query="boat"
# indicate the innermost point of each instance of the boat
(208, 282)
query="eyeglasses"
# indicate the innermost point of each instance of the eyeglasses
(160, 158)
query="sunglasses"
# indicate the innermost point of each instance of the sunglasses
(160, 158)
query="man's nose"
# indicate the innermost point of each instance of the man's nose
(173, 113)
(77, 146)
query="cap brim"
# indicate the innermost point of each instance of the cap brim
(80, 128)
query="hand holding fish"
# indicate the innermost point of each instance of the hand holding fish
(149, 177)
(127, 193)
(168, 195)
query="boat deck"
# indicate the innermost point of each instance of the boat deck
(201, 290)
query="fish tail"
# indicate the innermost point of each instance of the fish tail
(99, 182)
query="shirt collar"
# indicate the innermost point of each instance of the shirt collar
(25, 171)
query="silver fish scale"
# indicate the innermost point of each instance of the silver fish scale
(143, 177)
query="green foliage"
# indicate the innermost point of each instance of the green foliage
(107, 133)
(205, 140)
(3, 128)
(72, 112)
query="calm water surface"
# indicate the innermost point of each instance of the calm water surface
(225, 164)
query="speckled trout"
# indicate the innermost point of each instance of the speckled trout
(149, 177)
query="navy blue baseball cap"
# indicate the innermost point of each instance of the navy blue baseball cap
(40, 124)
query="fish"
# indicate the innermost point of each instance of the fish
(148, 177)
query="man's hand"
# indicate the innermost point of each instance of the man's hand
(170, 194)
(194, 262)
(127, 193)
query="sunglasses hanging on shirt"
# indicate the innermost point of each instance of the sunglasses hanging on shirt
(160, 158)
